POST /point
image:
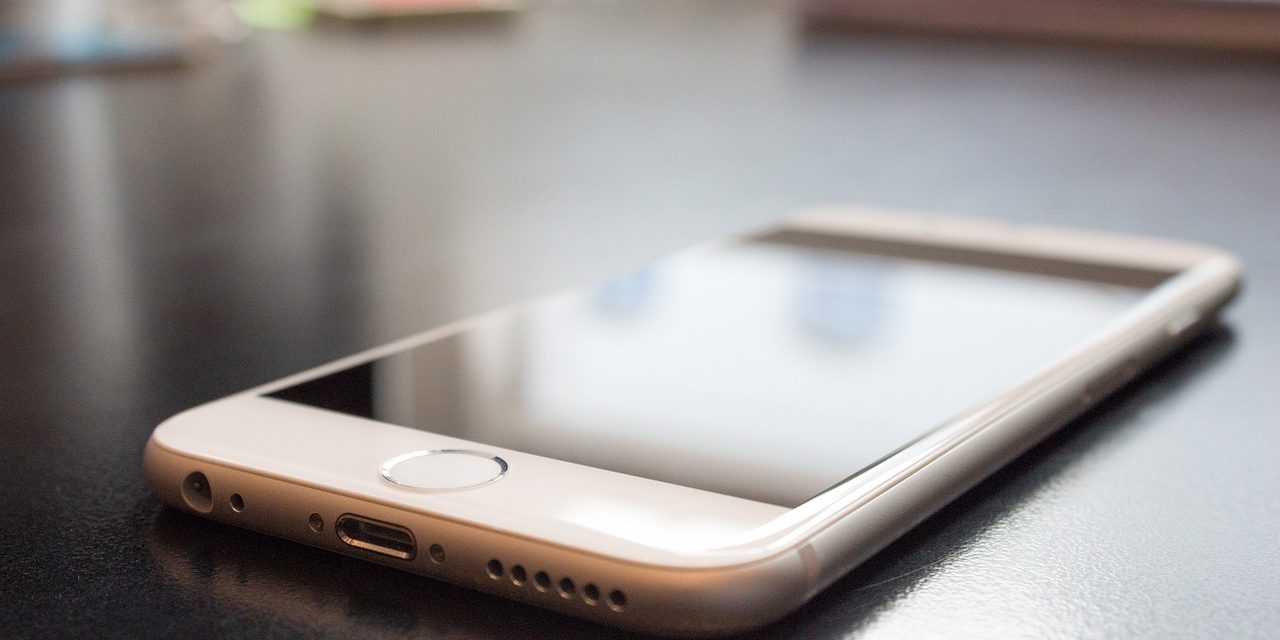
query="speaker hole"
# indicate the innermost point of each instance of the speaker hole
(518, 576)
(316, 522)
(237, 503)
(495, 569)
(566, 588)
(437, 553)
(617, 600)
(541, 581)
(591, 594)
(196, 492)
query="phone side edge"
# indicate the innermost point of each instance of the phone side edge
(848, 541)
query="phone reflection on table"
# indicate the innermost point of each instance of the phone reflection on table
(295, 590)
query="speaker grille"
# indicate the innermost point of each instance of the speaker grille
(564, 586)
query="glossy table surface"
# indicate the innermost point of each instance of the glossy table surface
(173, 236)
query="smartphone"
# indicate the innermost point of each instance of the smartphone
(701, 446)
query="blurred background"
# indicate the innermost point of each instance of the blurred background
(199, 196)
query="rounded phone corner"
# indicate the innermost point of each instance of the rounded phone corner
(160, 469)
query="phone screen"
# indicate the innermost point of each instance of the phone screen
(760, 369)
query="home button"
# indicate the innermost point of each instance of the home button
(443, 469)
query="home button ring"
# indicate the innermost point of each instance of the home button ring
(443, 469)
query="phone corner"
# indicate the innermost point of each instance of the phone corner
(166, 475)
(721, 601)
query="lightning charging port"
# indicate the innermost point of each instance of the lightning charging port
(373, 535)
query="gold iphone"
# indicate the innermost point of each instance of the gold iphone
(702, 445)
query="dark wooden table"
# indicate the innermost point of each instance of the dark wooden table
(173, 236)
